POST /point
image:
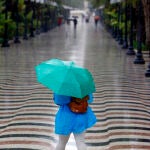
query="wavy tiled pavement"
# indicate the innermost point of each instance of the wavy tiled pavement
(121, 101)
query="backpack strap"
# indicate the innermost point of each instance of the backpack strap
(78, 100)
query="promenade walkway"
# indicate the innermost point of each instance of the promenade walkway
(121, 101)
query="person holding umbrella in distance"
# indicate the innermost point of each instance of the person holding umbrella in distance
(75, 21)
(73, 87)
(96, 19)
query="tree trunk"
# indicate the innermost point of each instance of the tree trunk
(146, 5)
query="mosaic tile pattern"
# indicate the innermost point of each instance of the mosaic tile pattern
(121, 101)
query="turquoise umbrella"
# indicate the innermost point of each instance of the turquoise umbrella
(65, 78)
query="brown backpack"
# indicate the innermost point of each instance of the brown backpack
(78, 105)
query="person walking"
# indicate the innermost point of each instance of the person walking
(59, 21)
(69, 120)
(96, 19)
(73, 85)
(75, 22)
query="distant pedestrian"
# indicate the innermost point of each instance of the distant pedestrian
(86, 18)
(96, 19)
(83, 16)
(68, 21)
(75, 22)
(59, 21)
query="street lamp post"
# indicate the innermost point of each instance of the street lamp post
(38, 15)
(131, 49)
(32, 19)
(25, 37)
(45, 19)
(120, 29)
(46, 16)
(125, 43)
(5, 40)
(118, 19)
(139, 56)
(147, 73)
(114, 32)
(17, 24)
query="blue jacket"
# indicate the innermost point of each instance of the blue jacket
(67, 122)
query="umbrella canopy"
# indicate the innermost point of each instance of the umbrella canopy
(65, 78)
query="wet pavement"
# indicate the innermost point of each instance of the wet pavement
(121, 101)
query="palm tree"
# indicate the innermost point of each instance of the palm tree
(146, 7)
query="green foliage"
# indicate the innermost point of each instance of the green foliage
(135, 45)
(112, 15)
(133, 2)
(11, 26)
(29, 15)
(2, 17)
(59, 2)
(8, 21)
(1, 6)
(21, 5)
(97, 3)
(11, 29)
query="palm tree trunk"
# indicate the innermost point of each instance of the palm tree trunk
(146, 5)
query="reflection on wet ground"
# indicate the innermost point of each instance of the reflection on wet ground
(122, 98)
